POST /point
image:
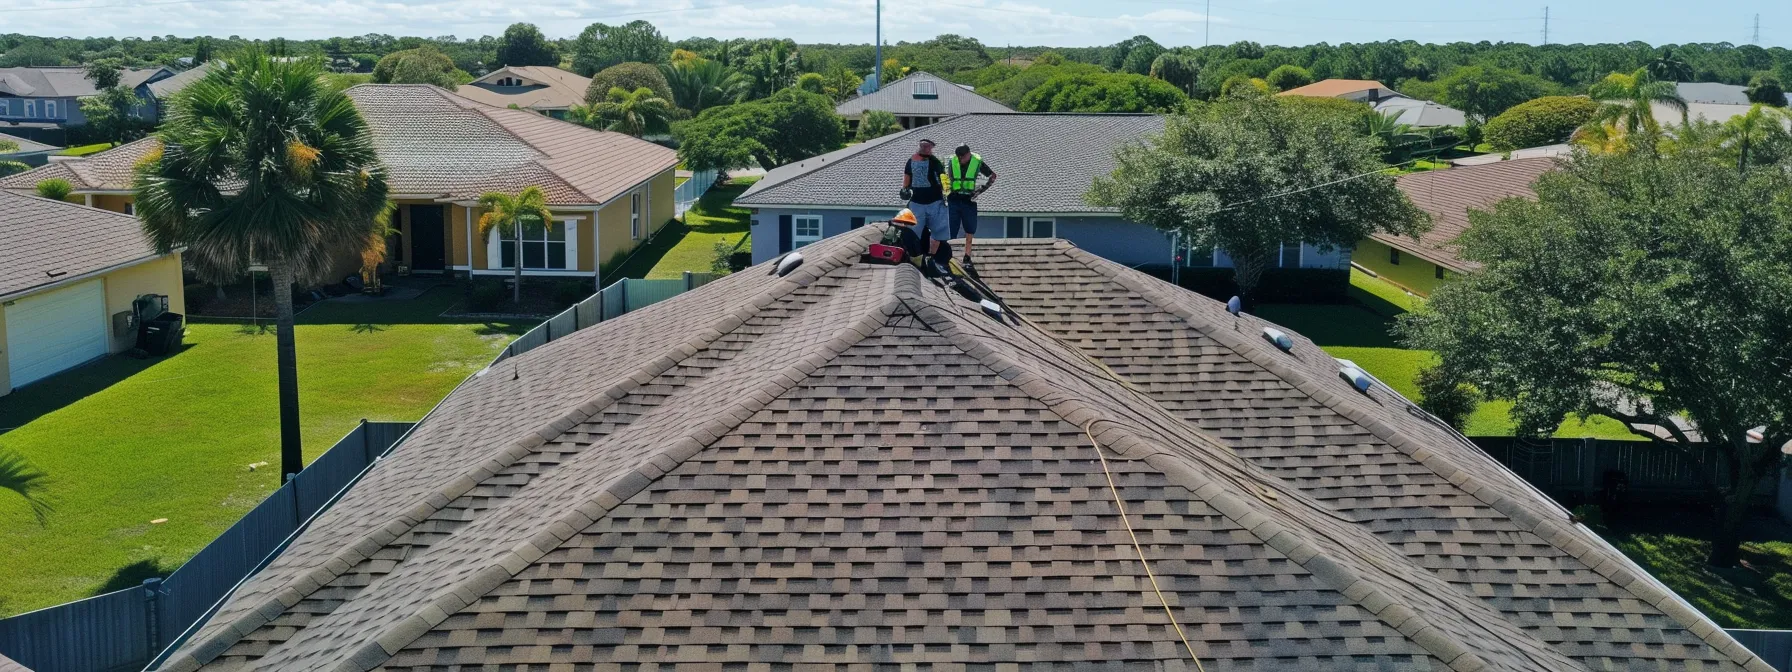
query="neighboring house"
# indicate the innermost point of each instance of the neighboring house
(164, 89)
(67, 272)
(1547, 151)
(850, 468)
(1709, 101)
(1432, 259)
(50, 96)
(101, 180)
(545, 89)
(1045, 164)
(1412, 111)
(30, 152)
(441, 151)
(918, 100)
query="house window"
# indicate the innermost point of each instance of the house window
(1042, 227)
(5, 107)
(1290, 255)
(130, 208)
(1438, 272)
(925, 88)
(805, 229)
(509, 81)
(634, 215)
(1393, 256)
(30, 109)
(543, 248)
(50, 109)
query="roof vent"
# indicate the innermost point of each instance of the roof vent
(1234, 306)
(1358, 378)
(789, 263)
(926, 88)
(1279, 338)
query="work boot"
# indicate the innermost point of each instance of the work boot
(940, 266)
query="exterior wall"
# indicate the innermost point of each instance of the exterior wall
(613, 238)
(663, 196)
(458, 221)
(113, 202)
(1416, 275)
(161, 276)
(68, 111)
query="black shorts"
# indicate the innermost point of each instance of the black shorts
(963, 215)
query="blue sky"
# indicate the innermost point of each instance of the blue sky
(995, 22)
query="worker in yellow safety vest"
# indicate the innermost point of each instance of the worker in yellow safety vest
(962, 170)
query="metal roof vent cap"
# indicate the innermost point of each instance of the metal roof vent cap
(1357, 378)
(788, 263)
(1279, 338)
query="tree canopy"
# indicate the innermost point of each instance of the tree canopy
(1484, 91)
(1544, 121)
(1645, 286)
(1243, 176)
(523, 44)
(601, 46)
(628, 77)
(789, 126)
(423, 65)
(1103, 93)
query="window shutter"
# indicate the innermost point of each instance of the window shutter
(1015, 227)
(572, 243)
(786, 231)
(858, 222)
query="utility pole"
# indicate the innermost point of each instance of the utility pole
(878, 68)
(1207, 28)
(1546, 25)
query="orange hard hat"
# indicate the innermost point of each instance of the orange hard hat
(905, 217)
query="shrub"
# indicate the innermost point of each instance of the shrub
(12, 168)
(1446, 396)
(486, 295)
(628, 77)
(877, 124)
(719, 257)
(55, 189)
(1289, 76)
(1544, 121)
(198, 296)
(568, 292)
(740, 260)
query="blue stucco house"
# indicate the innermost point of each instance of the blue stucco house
(1044, 162)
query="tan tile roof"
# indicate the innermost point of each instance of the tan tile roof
(1332, 88)
(1448, 195)
(437, 143)
(854, 468)
(559, 89)
(110, 170)
(43, 242)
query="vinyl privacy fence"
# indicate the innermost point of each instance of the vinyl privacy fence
(686, 194)
(127, 629)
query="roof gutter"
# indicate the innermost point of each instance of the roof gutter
(39, 289)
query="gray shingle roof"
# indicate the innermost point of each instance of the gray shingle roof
(1421, 113)
(1044, 162)
(43, 242)
(852, 468)
(898, 97)
(65, 81)
(25, 144)
(163, 88)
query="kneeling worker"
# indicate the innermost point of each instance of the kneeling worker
(962, 171)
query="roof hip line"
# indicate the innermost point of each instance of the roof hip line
(197, 655)
(620, 488)
(1596, 555)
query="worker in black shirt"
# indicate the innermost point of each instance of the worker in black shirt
(922, 174)
(962, 170)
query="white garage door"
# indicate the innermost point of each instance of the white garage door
(53, 331)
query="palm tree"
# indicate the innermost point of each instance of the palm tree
(1397, 139)
(1752, 129)
(20, 478)
(1627, 103)
(636, 112)
(699, 84)
(1666, 67)
(262, 163)
(509, 216)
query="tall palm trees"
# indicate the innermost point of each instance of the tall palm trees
(1627, 107)
(636, 112)
(1668, 68)
(509, 216)
(1750, 130)
(261, 163)
(699, 83)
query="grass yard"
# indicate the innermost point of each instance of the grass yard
(1362, 332)
(84, 150)
(712, 220)
(1671, 545)
(126, 441)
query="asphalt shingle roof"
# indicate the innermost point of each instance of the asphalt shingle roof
(64, 81)
(1044, 162)
(164, 88)
(898, 97)
(853, 468)
(25, 145)
(1448, 195)
(43, 242)
(558, 89)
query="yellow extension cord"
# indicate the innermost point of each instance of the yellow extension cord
(1140, 548)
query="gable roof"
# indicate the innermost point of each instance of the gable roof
(109, 170)
(26, 145)
(439, 144)
(558, 89)
(898, 97)
(1421, 113)
(1449, 194)
(1045, 162)
(1332, 88)
(63, 81)
(164, 88)
(45, 242)
(853, 468)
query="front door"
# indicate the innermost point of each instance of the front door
(429, 237)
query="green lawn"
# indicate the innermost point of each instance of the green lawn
(1362, 332)
(128, 441)
(1671, 546)
(84, 150)
(713, 219)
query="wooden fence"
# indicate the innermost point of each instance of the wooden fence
(1578, 469)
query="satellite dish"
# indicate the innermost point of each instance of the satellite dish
(1234, 306)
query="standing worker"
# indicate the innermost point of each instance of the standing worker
(962, 171)
(921, 187)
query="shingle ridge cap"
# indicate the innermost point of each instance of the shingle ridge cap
(196, 654)
(1119, 437)
(1571, 538)
(621, 487)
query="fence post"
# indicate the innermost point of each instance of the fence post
(366, 445)
(687, 281)
(1589, 466)
(152, 612)
(298, 516)
(623, 283)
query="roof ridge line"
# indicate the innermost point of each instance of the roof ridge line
(1596, 556)
(452, 599)
(1290, 542)
(364, 547)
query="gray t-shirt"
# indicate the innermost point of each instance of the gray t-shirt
(924, 178)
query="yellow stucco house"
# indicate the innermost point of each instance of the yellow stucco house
(608, 191)
(67, 272)
(1421, 265)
